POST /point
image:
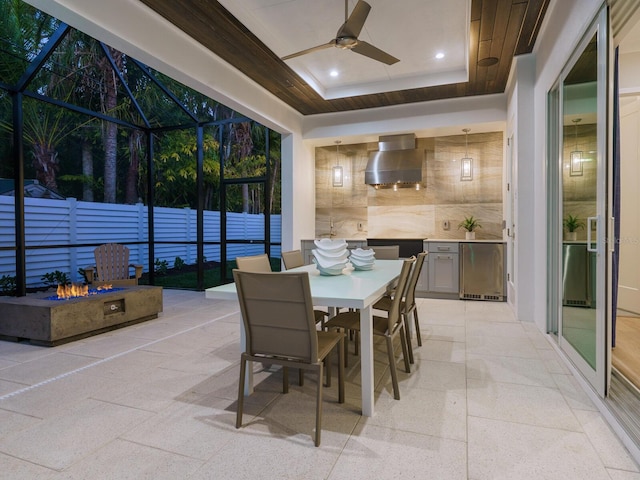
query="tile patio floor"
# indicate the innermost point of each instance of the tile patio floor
(489, 398)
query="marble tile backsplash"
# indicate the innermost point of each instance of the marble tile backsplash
(357, 210)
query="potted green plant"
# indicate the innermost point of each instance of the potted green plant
(470, 224)
(572, 224)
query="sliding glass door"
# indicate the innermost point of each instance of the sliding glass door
(577, 186)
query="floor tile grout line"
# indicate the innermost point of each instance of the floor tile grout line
(108, 359)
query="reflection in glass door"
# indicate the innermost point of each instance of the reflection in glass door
(579, 239)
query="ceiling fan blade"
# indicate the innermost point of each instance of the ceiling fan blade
(368, 50)
(332, 43)
(353, 26)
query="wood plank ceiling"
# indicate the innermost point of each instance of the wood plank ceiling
(500, 29)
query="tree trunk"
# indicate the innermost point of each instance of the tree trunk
(111, 129)
(131, 188)
(45, 162)
(87, 171)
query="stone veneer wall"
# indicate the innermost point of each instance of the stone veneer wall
(407, 213)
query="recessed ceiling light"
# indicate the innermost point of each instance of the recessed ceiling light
(333, 73)
(439, 55)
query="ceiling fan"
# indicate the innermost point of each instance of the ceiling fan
(347, 36)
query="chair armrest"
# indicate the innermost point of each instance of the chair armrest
(89, 273)
(138, 268)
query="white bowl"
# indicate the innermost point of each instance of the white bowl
(330, 245)
(331, 253)
(333, 270)
(357, 261)
(327, 262)
(363, 267)
(362, 253)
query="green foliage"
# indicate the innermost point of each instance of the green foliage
(162, 266)
(8, 284)
(178, 263)
(573, 223)
(53, 279)
(469, 224)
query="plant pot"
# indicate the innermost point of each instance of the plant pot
(571, 236)
(470, 235)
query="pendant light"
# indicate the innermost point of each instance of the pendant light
(575, 167)
(338, 178)
(466, 164)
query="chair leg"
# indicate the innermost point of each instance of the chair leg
(285, 379)
(407, 332)
(405, 349)
(340, 372)
(392, 367)
(301, 377)
(319, 405)
(243, 368)
(417, 323)
(356, 338)
(346, 350)
(327, 367)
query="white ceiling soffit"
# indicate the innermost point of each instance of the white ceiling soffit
(413, 31)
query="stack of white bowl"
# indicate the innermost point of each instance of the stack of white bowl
(330, 256)
(362, 259)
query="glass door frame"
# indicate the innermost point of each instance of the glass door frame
(597, 377)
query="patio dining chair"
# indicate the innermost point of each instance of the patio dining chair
(254, 263)
(277, 312)
(293, 259)
(389, 327)
(112, 267)
(407, 304)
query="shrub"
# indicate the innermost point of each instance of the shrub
(53, 279)
(8, 284)
(178, 263)
(162, 266)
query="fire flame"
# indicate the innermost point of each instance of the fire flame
(75, 290)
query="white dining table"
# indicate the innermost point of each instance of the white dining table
(358, 289)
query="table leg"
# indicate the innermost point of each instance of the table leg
(248, 378)
(366, 360)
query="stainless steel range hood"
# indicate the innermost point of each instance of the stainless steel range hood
(397, 162)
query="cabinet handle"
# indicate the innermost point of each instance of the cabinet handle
(444, 249)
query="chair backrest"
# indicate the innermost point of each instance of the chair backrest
(292, 259)
(387, 252)
(393, 313)
(254, 263)
(277, 311)
(112, 262)
(410, 290)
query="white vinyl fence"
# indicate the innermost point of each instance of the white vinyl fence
(69, 222)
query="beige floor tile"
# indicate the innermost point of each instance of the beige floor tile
(63, 440)
(438, 413)
(510, 402)
(120, 459)
(495, 328)
(523, 371)
(508, 347)
(611, 451)
(15, 469)
(622, 474)
(445, 333)
(432, 375)
(440, 351)
(44, 368)
(501, 450)
(575, 396)
(379, 452)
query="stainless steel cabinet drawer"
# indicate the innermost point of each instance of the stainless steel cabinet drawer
(443, 247)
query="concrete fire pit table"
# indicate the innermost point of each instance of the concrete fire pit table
(48, 322)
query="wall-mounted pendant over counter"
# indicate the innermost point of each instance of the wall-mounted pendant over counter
(338, 177)
(466, 164)
(575, 168)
